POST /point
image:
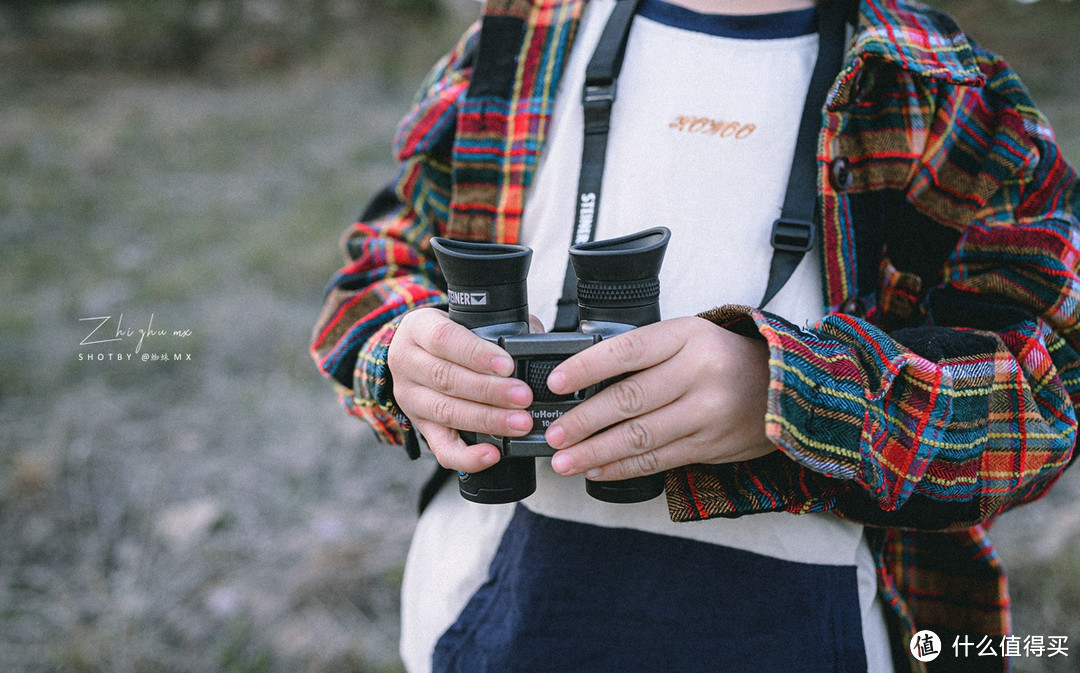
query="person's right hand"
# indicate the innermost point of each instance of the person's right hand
(448, 379)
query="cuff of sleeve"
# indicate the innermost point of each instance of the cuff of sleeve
(771, 483)
(388, 428)
(371, 398)
(810, 469)
(371, 379)
(816, 409)
(393, 429)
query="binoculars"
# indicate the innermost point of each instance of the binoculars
(618, 289)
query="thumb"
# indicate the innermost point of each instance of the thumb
(453, 453)
(535, 325)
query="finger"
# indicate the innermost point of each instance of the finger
(667, 457)
(635, 445)
(453, 453)
(628, 398)
(628, 352)
(692, 448)
(428, 371)
(535, 325)
(466, 415)
(443, 338)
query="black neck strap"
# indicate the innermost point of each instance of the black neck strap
(597, 98)
(793, 233)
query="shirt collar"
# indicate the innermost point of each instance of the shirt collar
(917, 38)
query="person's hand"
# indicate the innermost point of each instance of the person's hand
(699, 396)
(448, 379)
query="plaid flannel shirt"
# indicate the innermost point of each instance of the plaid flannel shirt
(938, 390)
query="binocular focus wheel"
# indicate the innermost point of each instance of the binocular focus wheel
(638, 489)
(509, 480)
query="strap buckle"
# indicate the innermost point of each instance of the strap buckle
(598, 99)
(792, 235)
(603, 94)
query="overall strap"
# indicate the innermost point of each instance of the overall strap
(794, 233)
(597, 98)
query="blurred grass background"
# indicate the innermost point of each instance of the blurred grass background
(190, 164)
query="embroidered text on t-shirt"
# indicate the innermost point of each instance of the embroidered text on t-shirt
(712, 127)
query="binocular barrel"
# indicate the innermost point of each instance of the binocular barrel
(618, 289)
(487, 291)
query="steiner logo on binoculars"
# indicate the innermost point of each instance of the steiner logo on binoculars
(468, 298)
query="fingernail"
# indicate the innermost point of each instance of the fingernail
(555, 436)
(563, 463)
(519, 420)
(489, 458)
(520, 395)
(556, 382)
(593, 473)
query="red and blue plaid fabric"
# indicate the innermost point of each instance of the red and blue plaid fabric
(947, 401)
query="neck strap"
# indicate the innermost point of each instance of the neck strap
(793, 234)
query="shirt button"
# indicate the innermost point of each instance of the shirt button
(860, 75)
(858, 85)
(840, 175)
(854, 306)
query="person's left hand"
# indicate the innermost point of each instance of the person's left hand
(699, 396)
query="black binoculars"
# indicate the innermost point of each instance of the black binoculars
(618, 289)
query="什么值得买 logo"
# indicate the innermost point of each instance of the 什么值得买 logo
(925, 646)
